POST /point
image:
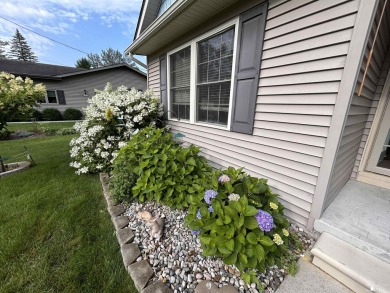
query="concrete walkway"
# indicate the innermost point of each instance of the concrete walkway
(311, 279)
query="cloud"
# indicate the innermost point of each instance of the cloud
(63, 17)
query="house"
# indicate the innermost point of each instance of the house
(70, 87)
(289, 90)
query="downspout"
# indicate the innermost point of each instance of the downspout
(360, 35)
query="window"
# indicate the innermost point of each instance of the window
(165, 4)
(215, 60)
(200, 78)
(180, 83)
(51, 97)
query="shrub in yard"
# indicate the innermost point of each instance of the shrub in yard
(165, 171)
(241, 221)
(66, 131)
(51, 114)
(37, 115)
(73, 114)
(4, 134)
(110, 119)
(17, 97)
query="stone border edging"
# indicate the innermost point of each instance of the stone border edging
(141, 272)
(22, 165)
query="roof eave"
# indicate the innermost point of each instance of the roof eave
(156, 25)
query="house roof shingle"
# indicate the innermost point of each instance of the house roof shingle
(33, 69)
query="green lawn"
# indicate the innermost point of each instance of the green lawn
(32, 126)
(55, 232)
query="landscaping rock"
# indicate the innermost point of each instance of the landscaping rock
(120, 222)
(210, 287)
(140, 272)
(157, 287)
(130, 252)
(124, 236)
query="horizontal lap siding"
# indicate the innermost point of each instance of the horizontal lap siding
(154, 76)
(74, 86)
(362, 109)
(301, 69)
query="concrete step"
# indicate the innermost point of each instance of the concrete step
(356, 269)
(350, 233)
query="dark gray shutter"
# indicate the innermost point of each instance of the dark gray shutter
(249, 50)
(61, 97)
(163, 83)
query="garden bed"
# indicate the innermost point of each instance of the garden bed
(177, 259)
(14, 168)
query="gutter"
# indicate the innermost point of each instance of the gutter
(160, 22)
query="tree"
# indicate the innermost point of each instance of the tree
(3, 54)
(109, 57)
(17, 96)
(20, 50)
(83, 63)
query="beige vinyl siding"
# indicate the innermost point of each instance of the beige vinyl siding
(74, 86)
(362, 109)
(154, 76)
(305, 48)
(370, 118)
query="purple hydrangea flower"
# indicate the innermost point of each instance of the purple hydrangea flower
(195, 232)
(209, 195)
(223, 178)
(211, 210)
(198, 214)
(265, 221)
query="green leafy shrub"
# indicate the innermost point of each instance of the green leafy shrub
(121, 185)
(37, 115)
(166, 171)
(73, 114)
(4, 134)
(241, 221)
(66, 131)
(51, 114)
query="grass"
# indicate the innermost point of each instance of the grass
(55, 232)
(28, 126)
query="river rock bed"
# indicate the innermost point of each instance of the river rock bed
(177, 260)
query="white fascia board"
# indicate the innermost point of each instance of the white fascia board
(159, 22)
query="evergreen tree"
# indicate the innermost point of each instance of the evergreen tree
(20, 50)
(83, 63)
(3, 54)
(109, 57)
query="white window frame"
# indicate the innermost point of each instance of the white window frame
(47, 98)
(193, 74)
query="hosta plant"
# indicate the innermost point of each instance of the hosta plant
(165, 171)
(241, 221)
(110, 119)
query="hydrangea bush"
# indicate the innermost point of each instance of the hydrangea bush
(18, 96)
(241, 221)
(111, 118)
(154, 167)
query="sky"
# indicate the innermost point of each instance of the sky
(87, 25)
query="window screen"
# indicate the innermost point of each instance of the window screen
(215, 59)
(51, 97)
(180, 63)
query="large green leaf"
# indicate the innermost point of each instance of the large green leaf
(251, 237)
(265, 240)
(250, 223)
(259, 252)
(229, 244)
(231, 259)
(242, 257)
(250, 211)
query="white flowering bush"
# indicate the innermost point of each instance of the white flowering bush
(18, 96)
(111, 118)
